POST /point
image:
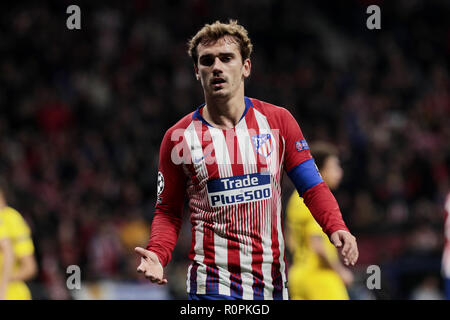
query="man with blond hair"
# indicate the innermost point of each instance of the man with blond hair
(228, 157)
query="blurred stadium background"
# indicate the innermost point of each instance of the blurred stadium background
(82, 114)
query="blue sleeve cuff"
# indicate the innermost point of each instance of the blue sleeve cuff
(305, 176)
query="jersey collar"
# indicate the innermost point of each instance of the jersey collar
(197, 115)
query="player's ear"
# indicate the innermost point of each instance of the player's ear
(197, 76)
(247, 66)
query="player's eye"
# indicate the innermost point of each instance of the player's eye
(225, 58)
(206, 61)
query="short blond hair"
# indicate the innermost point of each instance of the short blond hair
(210, 33)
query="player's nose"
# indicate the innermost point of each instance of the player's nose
(217, 66)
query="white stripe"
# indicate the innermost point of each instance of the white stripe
(188, 278)
(246, 147)
(220, 240)
(266, 240)
(245, 247)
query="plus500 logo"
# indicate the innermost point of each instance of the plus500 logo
(240, 189)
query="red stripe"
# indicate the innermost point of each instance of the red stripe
(212, 169)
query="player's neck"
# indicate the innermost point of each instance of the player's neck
(224, 114)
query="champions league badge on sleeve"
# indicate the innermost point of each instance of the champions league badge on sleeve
(159, 186)
(301, 145)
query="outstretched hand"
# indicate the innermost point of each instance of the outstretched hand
(346, 242)
(150, 266)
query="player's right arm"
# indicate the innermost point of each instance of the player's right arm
(8, 259)
(317, 245)
(167, 217)
(26, 266)
(303, 172)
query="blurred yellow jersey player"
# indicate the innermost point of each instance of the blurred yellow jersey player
(17, 262)
(316, 272)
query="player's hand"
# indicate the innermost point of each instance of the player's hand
(345, 241)
(150, 266)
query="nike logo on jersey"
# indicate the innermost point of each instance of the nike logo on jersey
(197, 160)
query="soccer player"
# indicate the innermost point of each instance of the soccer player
(446, 253)
(316, 273)
(228, 157)
(17, 261)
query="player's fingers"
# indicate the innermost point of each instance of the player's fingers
(354, 256)
(142, 266)
(151, 277)
(352, 252)
(162, 282)
(141, 251)
(346, 247)
(336, 241)
(346, 261)
(140, 269)
(354, 260)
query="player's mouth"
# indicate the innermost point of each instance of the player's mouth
(217, 82)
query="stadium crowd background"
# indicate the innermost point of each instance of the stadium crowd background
(83, 113)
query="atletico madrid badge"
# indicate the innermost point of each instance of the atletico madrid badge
(263, 144)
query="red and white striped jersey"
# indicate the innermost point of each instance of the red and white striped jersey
(232, 179)
(446, 253)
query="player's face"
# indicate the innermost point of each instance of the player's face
(220, 68)
(332, 172)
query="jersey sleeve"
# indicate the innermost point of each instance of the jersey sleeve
(296, 148)
(171, 188)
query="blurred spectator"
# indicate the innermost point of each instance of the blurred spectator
(445, 268)
(428, 289)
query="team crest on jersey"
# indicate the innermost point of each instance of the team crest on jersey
(263, 144)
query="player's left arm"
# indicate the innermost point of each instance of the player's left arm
(303, 172)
